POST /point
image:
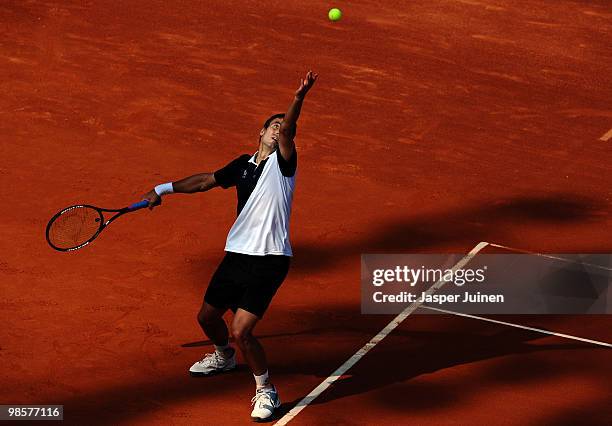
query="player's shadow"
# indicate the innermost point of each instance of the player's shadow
(458, 227)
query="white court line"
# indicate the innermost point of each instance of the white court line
(549, 256)
(539, 330)
(607, 136)
(373, 342)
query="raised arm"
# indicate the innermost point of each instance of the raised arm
(197, 183)
(287, 129)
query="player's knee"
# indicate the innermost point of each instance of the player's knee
(241, 334)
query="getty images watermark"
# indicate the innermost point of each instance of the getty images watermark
(488, 283)
(412, 276)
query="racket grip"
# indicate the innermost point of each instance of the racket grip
(139, 205)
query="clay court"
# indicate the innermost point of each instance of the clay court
(434, 125)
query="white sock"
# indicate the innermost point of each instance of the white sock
(262, 381)
(222, 349)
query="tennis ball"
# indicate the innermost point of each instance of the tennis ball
(334, 14)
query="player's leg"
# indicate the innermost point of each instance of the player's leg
(266, 398)
(220, 294)
(212, 323)
(224, 357)
(266, 274)
(243, 325)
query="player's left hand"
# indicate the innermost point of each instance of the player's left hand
(306, 84)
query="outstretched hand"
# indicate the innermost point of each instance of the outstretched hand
(306, 84)
(152, 198)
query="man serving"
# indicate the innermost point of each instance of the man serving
(258, 250)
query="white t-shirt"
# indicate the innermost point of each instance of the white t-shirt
(262, 226)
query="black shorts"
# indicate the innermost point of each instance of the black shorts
(246, 282)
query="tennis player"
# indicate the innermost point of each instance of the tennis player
(258, 250)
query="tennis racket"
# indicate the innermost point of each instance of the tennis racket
(76, 226)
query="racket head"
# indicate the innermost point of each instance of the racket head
(74, 227)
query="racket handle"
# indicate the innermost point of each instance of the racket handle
(139, 205)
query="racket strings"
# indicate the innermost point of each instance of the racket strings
(74, 227)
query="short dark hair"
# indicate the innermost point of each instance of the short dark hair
(269, 120)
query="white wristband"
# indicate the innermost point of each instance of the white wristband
(164, 188)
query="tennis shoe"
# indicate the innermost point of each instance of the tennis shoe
(264, 403)
(214, 363)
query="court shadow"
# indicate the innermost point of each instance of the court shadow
(429, 343)
(410, 355)
(598, 412)
(119, 404)
(394, 373)
(552, 208)
(461, 226)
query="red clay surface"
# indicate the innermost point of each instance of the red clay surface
(432, 127)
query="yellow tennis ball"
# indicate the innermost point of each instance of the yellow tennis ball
(334, 14)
